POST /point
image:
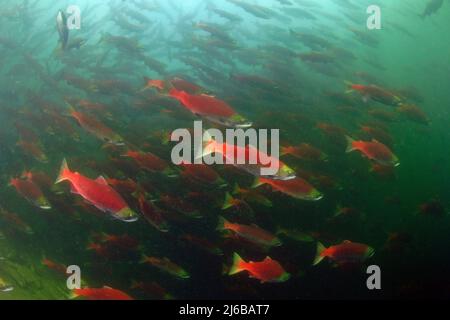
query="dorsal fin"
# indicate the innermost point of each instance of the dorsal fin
(101, 180)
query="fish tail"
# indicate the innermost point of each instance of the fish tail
(338, 211)
(284, 151)
(222, 224)
(105, 237)
(146, 85)
(349, 86)
(236, 267)
(208, 146)
(63, 172)
(144, 259)
(70, 110)
(228, 201)
(319, 256)
(73, 294)
(350, 146)
(258, 182)
(236, 189)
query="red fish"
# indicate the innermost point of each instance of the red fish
(211, 108)
(377, 94)
(151, 213)
(186, 86)
(413, 113)
(98, 193)
(149, 161)
(267, 270)
(251, 233)
(383, 171)
(252, 195)
(34, 149)
(180, 205)
(201, 173)
(432, 208)
(126, 186)
(105, 293)
(158, 84)
(164, 264)
(58, 267)
(373, 150)
(121, 241)
(15, 220)
(240, 158)
(30, 191)
(239, 205)
(345, 253)
(96, 128)
(202, 244)
(297, 188)
(304, 151)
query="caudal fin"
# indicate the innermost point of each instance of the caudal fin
(63, 172)
(349, 86)
(236, 267)
(208, 146)
(228, 203)
(258, 182)
(144, 259)
(222, 224)
(284, 151)
(319, 257)
(236, 189)
(146, 84)
(74, 294)
(350, 146)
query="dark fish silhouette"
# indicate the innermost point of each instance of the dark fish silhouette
(432, 7)
(63, 30)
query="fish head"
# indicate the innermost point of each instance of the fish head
(314, 195)
(284, 173)
(235, 121)
(284, 277)
(43, 203)
(116, 140)
(126, 215)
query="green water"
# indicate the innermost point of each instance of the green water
(253, 61)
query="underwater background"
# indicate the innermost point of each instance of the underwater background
(310, 68)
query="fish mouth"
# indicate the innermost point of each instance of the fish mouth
(131, 219)
(315, 196)
(281, 178)
(6, 288)
(43, 204)
(126, 215)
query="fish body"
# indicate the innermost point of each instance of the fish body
(345, 253)
(98, 193)
(211, 108)
(63, 30)
(266, 271)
